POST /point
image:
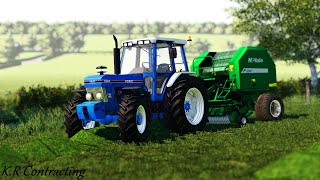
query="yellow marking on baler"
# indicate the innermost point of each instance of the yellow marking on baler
(273, 85)
(230, 68)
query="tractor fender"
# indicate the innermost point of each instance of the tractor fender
(175, 76)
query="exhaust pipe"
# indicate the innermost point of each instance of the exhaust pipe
(116, 56)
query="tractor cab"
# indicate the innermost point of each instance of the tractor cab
(157, 59)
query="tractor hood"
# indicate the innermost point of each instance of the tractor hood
(114, 80)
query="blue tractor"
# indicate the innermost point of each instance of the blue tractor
(151, 80)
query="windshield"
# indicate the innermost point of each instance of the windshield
(135, 59)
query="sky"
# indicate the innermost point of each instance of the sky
(104, 11)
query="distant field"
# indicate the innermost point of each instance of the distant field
(101, 42)
(24, 55)
(63, 70)
(218, 42)
(27, 55)
(72, 68)
(106, 43)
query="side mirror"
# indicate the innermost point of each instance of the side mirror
(173, 53)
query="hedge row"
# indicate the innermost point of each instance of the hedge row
(38, 96)
(294, 87)
(42, 96)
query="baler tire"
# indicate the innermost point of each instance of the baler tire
(127, 121)
(174, 105)
(242, 120)
(72, 123)
(263, 107)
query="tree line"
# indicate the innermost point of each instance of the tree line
(54, 39)
(118, 28)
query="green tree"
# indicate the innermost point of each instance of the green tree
(34, 29)
(10, 49)
(52, 44)
(73, 36)
(198, 46)
(20, 27)
(43, 28)
(3, 28)
(138, 29)
(32, 42)
(290, 29)
(128, 28)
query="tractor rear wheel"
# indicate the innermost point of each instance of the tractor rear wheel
(186, 105)
(72, 123)
(134, 117)
(269, 106)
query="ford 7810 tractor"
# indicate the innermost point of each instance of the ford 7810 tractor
(152, 80)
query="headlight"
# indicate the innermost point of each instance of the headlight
(89, 96)
(99, 96)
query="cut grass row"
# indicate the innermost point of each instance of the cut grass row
(219, 152)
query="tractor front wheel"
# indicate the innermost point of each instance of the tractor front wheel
(186, 105)
(72, 123)
(134, 117)
(268, 107)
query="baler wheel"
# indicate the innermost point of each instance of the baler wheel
(134, 118)
(72, 123)
(242, 120)
(186, 105)
(269, 106)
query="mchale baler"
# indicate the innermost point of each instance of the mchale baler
(152, 80)
(238, 83)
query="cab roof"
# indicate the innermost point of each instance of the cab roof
(153, 40)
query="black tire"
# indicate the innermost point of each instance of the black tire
(242, 120)
(128, 127)
(72, 123)
(175, 115)
(264, 107)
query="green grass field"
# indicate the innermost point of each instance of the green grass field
(27, 55)
(260, 150)
(36, 137)
(24, 55)
(300, 165)
(218, 42)
(63, 70)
